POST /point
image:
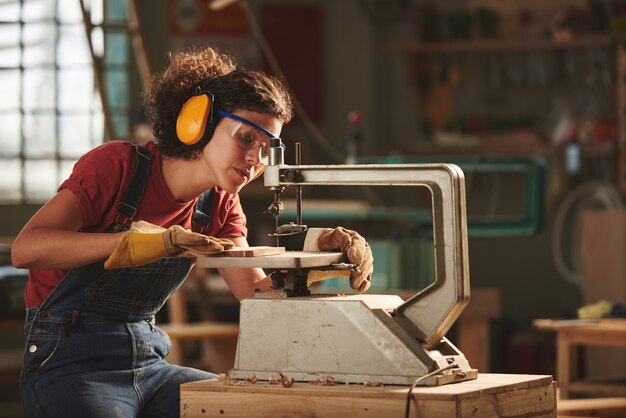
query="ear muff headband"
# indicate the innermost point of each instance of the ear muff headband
(196, 118)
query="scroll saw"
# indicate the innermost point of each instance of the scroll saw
(356, 338)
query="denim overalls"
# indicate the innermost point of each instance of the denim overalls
(92, 349)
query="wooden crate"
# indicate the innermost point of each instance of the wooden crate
(489, 396)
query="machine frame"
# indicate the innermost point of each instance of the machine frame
(364, 338)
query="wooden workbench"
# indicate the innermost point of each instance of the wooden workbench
(491, 395)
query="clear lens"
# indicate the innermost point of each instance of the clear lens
(249, 138)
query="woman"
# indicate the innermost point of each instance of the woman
(115, 242)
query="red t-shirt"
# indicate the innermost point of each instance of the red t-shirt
(99, 180)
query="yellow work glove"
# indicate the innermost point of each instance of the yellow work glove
(357, 250)
(595, 310)
(144, 243)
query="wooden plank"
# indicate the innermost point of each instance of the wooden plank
(532, 402)
(252, 405)
(485, 383)
(288, 259)
(488, 396)
(252, 251)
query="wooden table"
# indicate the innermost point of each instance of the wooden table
(574, 333)
(491, 395)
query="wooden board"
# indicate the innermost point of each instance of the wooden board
(252, 251)
(491, 395)
(288, 259)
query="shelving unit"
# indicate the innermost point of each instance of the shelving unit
(494, 45)
(618, 44)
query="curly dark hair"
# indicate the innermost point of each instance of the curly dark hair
(234, 88)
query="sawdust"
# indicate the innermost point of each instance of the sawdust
(372, 384)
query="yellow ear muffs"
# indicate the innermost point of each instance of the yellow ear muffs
(191, 124)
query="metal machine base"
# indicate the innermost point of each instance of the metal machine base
(352, 339)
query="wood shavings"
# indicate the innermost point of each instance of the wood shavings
(372, 384)
(222, 378)
(327, 381)
(342, 295)
(285, 381)
(252, 379)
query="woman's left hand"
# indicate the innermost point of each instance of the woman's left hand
(357, 250)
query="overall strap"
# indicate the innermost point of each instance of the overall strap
(127, 208)
(203, 214)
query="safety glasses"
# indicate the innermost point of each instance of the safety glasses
(248, 135)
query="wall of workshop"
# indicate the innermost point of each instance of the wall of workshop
(359, 75)
(14, 217)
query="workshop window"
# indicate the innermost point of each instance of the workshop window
(51, 111)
